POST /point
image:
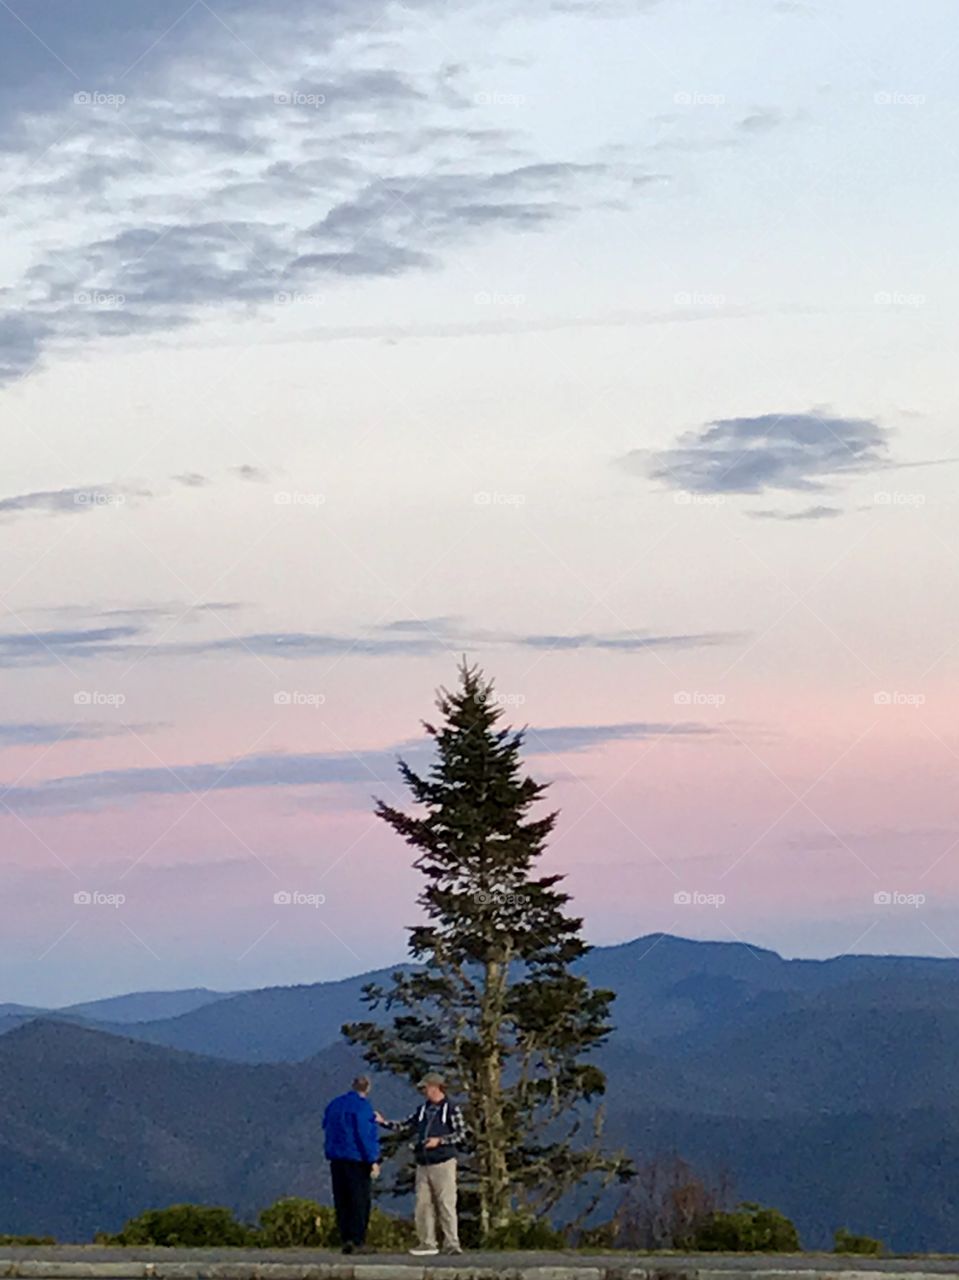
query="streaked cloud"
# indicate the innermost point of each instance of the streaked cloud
(807, 513)
(294, 184)
(624, 641)
(584, 737)
(76, 500)
(44, 734)
(368, 768)
(28, 648)
(130, 639)
(82, 499)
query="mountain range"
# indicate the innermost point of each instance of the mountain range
(827, 1088)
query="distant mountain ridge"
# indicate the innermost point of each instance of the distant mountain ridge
(829, 1088)
(145, 1006)
(137, 1006)
(666, 986)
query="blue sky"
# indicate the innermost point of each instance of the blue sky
(610, 344)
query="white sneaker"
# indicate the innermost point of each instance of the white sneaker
(424, 1251)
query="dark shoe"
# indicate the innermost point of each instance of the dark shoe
(347, 1248)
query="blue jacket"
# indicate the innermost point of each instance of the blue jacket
(349, 1124)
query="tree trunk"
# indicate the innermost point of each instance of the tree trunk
(494, 1174)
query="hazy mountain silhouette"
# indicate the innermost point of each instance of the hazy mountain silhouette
(829, 1088)
(144, 1006)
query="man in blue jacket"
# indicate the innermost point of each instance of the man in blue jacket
(352, 1144)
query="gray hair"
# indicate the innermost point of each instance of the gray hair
(361, 1084)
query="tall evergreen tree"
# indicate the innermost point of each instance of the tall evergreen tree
(493, 1000)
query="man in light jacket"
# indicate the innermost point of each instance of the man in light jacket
(439, 1132)
(352, 1144)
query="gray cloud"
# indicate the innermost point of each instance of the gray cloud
(695, 133)
(442, 625)
(21, 343)
(801, 452)
(413, 212)
(41, 648)
(376, 258)
(72, 501)
(175, 609)
(369, 768)
(255, 475)
(81, 499)
(583, 737)
(307, 644)
(808, 513)
(130, 640)
(39, 734)
(287, 181)
(371, 89)
(761, 121)
(625, 642)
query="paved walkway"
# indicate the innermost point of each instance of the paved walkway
(92, 1262)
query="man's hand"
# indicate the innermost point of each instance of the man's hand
(431, 1143)
(374, 1171)
(379, 1118)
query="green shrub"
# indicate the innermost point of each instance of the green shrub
(294, 1223)
(847, 1242)
(389, 1232)
(27, 1240)
(184, 1226)
(749, 1229)
(603, 1236)
(523, 1231)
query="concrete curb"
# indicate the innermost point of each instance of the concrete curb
(137, 1269)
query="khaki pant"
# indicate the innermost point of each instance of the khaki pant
(436, 1198)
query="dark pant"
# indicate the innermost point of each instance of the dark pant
(351, 1198)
